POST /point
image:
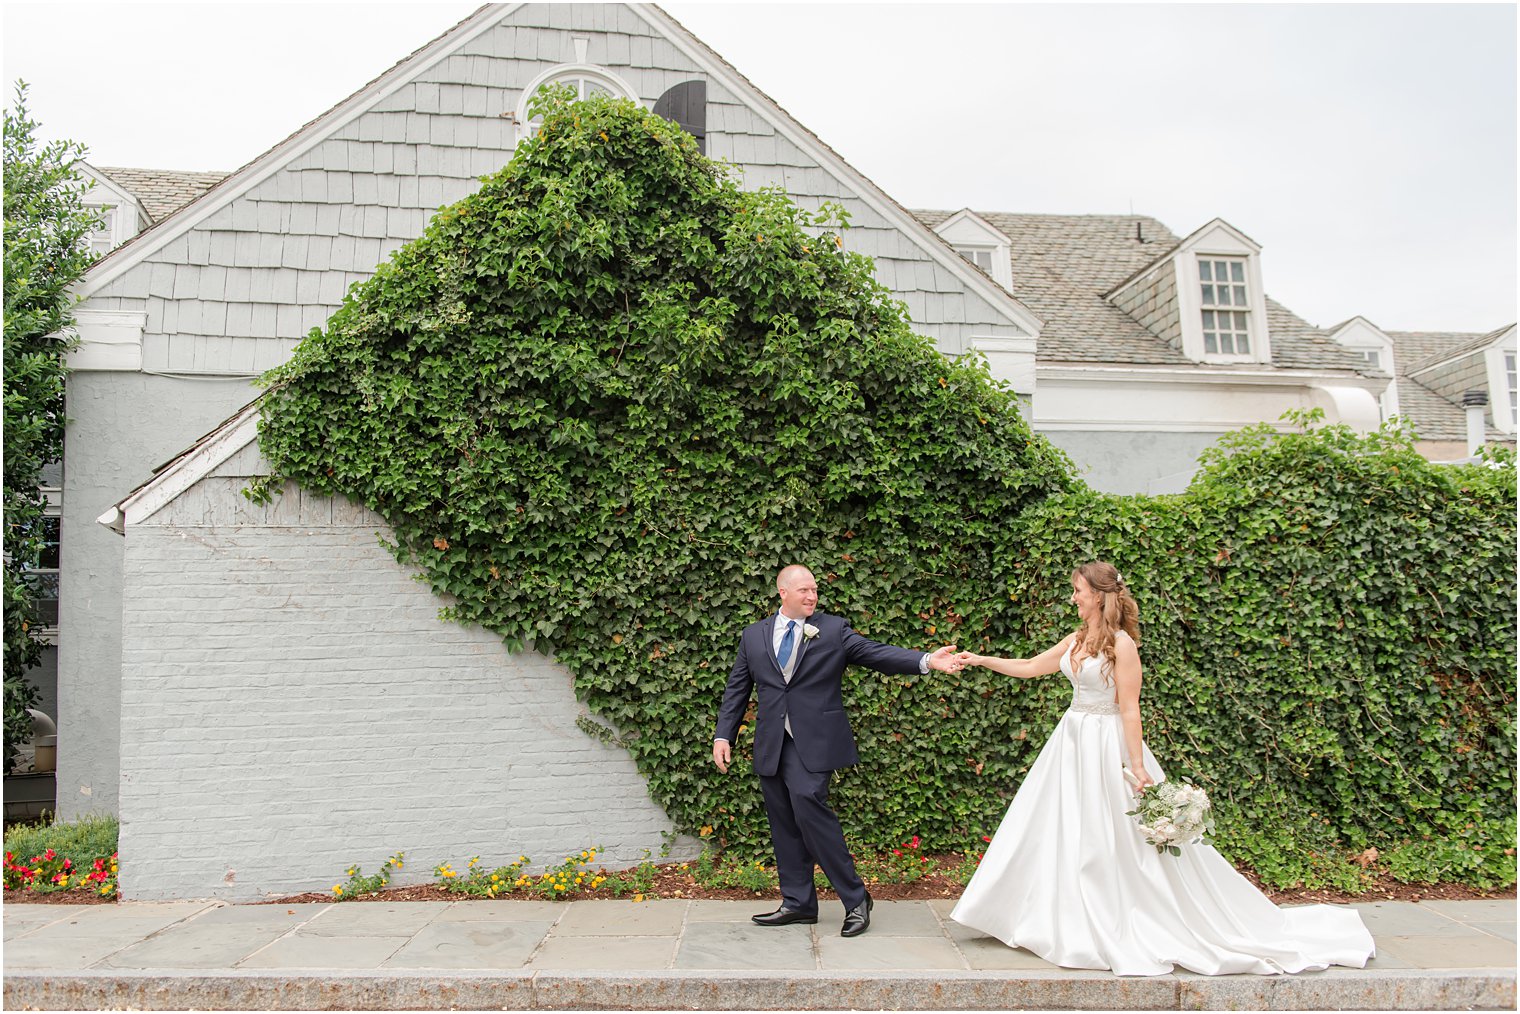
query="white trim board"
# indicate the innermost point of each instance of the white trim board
(186, 470)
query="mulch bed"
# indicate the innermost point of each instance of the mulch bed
(670, 881)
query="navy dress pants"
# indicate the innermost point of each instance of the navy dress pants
(804, 831)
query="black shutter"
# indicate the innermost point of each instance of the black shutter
(686, 106)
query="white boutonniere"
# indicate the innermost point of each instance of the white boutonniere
(809, 631)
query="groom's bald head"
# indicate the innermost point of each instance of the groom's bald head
(798, 591)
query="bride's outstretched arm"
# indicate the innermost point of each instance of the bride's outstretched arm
(1127, 694)
(1043, 664)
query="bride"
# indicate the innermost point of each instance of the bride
(1068, 875)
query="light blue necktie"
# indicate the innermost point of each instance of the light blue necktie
(786, 644)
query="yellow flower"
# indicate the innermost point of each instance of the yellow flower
(494, 878)
(337, 888)
(706, 830)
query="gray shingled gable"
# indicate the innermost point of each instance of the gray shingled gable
(1064, 265)
(1452, 345)
(1433, 415)
(234, 279)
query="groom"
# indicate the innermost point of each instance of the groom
(797, 660)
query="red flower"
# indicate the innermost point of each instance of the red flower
(49, 854)
(986, 839)
(896, 852)
(915, 841)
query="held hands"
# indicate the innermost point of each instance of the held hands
(968, 659)
(946, 659)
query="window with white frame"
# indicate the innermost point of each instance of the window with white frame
(43, 578)
(981, 256)
(1225, 306)
(103, 237)
(586, 83)
(1374, 357)
(1509, 377)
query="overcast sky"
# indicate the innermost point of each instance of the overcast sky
(1369, 148)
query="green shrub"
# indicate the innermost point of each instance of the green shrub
(603, 400)
(83, 840)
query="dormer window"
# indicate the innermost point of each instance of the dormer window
(103, 237)
(979, 242)
(1224, 307)
(981, 256)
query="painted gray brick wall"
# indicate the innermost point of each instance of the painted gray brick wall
(291, 705)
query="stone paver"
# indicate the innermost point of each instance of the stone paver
(901, 919)
(1506, 930)
(471, 943)
(547, 912)
(622, 918)
(593, 953)
(739, 945)
(988, 954)
(309, 950)
(727, 911)
(1394, 919)
(373, 918)
(835, 953)
(1469, 951)
(36, 917)
(91, 933)
(217, 938)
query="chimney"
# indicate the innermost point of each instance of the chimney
(1475, 400)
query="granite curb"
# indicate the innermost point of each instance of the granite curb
(1470, 989)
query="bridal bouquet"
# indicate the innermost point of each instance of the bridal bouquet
(1172, 814)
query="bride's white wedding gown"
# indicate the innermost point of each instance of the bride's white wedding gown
(1069, 877)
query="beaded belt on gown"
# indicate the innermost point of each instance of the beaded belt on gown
(1097, 708)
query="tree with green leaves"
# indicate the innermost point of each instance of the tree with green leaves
(46, 229)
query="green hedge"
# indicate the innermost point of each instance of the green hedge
(605, 398)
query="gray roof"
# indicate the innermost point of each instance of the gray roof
(1447, 345)
(1063, 265)
(162, 191)
(1433, 415)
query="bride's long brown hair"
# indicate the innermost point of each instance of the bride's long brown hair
(1117, 611)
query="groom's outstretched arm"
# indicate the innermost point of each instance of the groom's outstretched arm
(731, 711)
(884, 658)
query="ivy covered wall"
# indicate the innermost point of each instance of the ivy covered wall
(605, 398)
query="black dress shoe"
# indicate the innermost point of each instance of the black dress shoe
(857, 920)
(783, 916)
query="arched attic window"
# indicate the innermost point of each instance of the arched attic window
(586, 79)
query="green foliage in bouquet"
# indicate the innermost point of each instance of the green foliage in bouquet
(601, 401)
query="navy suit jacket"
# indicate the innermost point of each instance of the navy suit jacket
(814, 698)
